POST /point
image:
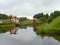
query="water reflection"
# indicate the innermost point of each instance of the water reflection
(13, 31)
(23, 27)
(4, 30)
(27, 36)
(55, 36)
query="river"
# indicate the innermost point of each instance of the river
(27, 36)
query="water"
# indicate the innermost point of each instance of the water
(27, 36)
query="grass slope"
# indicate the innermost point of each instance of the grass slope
(53, 27)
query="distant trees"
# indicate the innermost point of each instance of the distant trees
(46, 16)
(22, 18)
(38, 16)
(42, 16)
(54, 15)
(4, 16)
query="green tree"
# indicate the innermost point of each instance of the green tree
(41, 16)
(46, 16)
(22, 18)
(38, 16)
(54, 15)
(3, 16)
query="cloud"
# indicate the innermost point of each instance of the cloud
(28, 7)
(25, 9)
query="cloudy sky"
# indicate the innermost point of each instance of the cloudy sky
(28, 8)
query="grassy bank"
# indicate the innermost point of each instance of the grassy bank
(27, 22)
(53, 27)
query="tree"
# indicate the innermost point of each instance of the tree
(41, 16)
(54, 15)
(46, 16)
(22, 18)
(3, 16)
(38, 16)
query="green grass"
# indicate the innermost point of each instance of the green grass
(26, 22)
(55, 23)
(53, 27)
(41, 28)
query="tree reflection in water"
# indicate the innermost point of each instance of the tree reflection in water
(55, 36)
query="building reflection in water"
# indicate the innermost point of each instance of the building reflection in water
(14, 31)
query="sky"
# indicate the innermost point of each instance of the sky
(28, 8)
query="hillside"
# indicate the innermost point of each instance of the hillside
(53, 27)
(55, 24)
